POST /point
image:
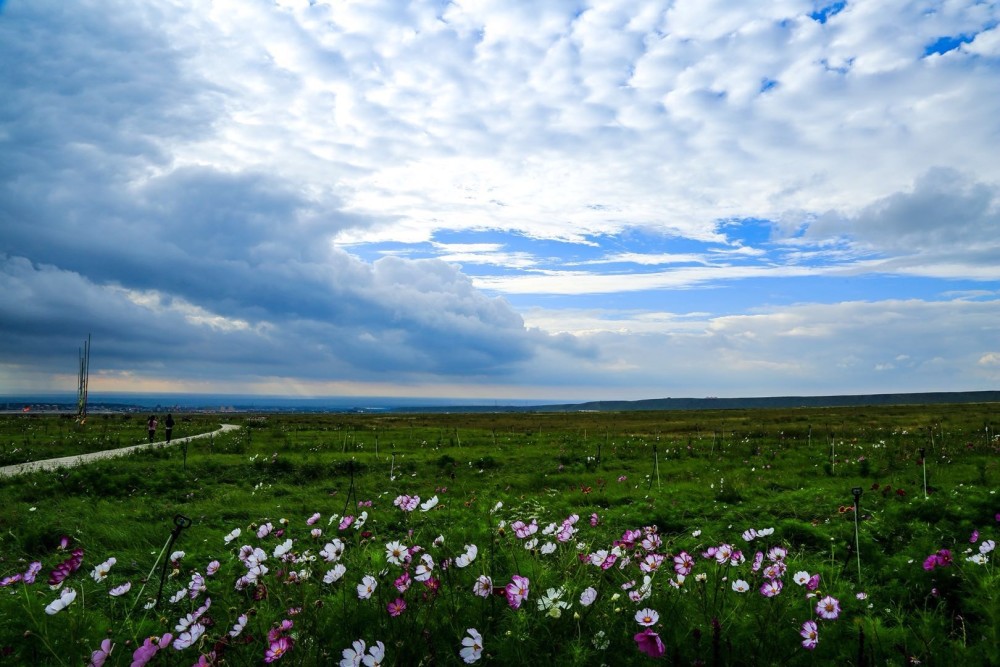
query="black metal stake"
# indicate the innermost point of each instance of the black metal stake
(180, 523)
(856, 491)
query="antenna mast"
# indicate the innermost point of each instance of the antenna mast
(81, 396)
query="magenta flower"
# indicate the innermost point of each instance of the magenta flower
(683, 563)
(594, 519)
(810, 634)
(12, 579)
(346, 522)
(66, 568)
(771, 588)
(650, 643)
(828, 608)
(813, 582)
(32, 572)
(517, 591)
(313, 519)
(145, 653)
(524, 530)
(974, 537)
(98, 657)
(396, 607)
(278, 648)
(940, 559)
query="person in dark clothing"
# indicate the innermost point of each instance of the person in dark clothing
(151, 425)
(170, 425)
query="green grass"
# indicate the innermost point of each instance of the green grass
(718, 472)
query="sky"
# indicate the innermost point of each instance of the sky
(500, 199)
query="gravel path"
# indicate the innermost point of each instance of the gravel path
(70, 461)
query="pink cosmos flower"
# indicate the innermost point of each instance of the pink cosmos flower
(828, 608)
(650, 643)
(758, 560)
(278, 648)
(346, 522)
(813, 583)
(396, 607)
(810, 635)
(594, 519)
(313, 519)
(265, 530)
(588, 596)
(974, 537)
(98, 657)
(517, 591)
(402, 582)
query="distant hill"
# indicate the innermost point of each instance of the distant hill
(929, 398)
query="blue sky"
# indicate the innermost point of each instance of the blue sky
(499, 199)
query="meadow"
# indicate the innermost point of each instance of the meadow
(852, 536)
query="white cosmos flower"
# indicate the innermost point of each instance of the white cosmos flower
(66, 597)
(472, 646)
(367, 587)
(335, 574)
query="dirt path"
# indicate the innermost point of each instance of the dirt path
(80, 459)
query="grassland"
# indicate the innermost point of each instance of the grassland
(695, 479)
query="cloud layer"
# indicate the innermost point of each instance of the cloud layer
(561, 199)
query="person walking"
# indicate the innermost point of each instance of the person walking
(169, 424)
(151, 425)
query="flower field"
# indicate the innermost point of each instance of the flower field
(844, 536)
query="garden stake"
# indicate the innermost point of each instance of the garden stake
(350, 491)
(180, 523)
(857, 509)
(923, 464)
